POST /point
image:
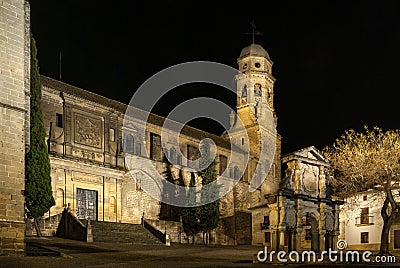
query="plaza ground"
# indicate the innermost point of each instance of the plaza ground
(80, 254)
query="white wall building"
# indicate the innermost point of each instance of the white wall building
(361, 222)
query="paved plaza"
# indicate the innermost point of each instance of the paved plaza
(80, 254)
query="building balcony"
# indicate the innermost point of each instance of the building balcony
(365, 220)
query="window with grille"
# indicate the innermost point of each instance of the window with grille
(364, 237)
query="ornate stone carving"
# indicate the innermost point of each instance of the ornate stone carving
(290, 217)
(273, 218)
(88, 131)
(310, 180)
(87, 178)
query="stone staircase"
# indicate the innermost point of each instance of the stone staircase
(122, 233)
(48, 226)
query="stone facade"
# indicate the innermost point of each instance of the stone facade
(87, 158)
(14, 121)
(361, 222)
(87, 150)
(302, 215)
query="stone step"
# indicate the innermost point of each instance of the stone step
(122, 233)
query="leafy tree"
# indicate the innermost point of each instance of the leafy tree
(38, 194)
(368, 161)
(209, 213)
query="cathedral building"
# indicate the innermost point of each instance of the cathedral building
(87, 147)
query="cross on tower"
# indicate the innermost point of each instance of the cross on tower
(253, 31)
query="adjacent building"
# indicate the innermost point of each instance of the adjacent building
(14, 121)
(361, 222)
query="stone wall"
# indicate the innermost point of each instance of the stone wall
(14, 101)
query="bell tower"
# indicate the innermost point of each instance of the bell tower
(258, 95)
(255, 116)
(255, 98)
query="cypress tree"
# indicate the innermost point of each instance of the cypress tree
(38, 193)
(190, 215)
(208, 214)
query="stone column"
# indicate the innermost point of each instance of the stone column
(322, 182)
(298, 228)
(321, 226)
(336, 228)
(297, 177)
(322, 240)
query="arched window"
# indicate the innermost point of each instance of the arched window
(165, 156)
(223, 163)
(60, 198)
(244, 92)
(113, 205)
(236, 172)
(172, 155)
(257, 90)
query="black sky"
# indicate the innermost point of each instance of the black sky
(336, 63)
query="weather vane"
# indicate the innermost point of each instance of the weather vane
(253, 31)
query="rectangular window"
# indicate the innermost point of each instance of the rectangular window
(364, 216)
(59, 120)
(364, 198)
(155, 147)
(396, 238)
(364, 237)
(128, 146)
(112, 134)
(267, 237)
(266, 220)
(223, 163)
(265, 224)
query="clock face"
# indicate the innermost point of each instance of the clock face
(245, 66)
(258, 65)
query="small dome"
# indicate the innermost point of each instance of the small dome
(254, 50)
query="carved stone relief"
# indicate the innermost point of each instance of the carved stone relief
(88, 131)
(310, 179)
(290, 217)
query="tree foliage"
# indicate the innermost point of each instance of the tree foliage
(38, 193)
(209, 213)
(169, 212)
(368, 160)
(190, 214)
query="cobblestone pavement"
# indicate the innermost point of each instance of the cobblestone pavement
(81, 254)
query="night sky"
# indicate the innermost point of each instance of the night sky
(336, 64)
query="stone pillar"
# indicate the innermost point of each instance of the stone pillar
(299, 228)
(296, 178)
(321, 226)
(14, 121)
(336, 228)
(275, 240)
(322, 182)
(322, 240)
